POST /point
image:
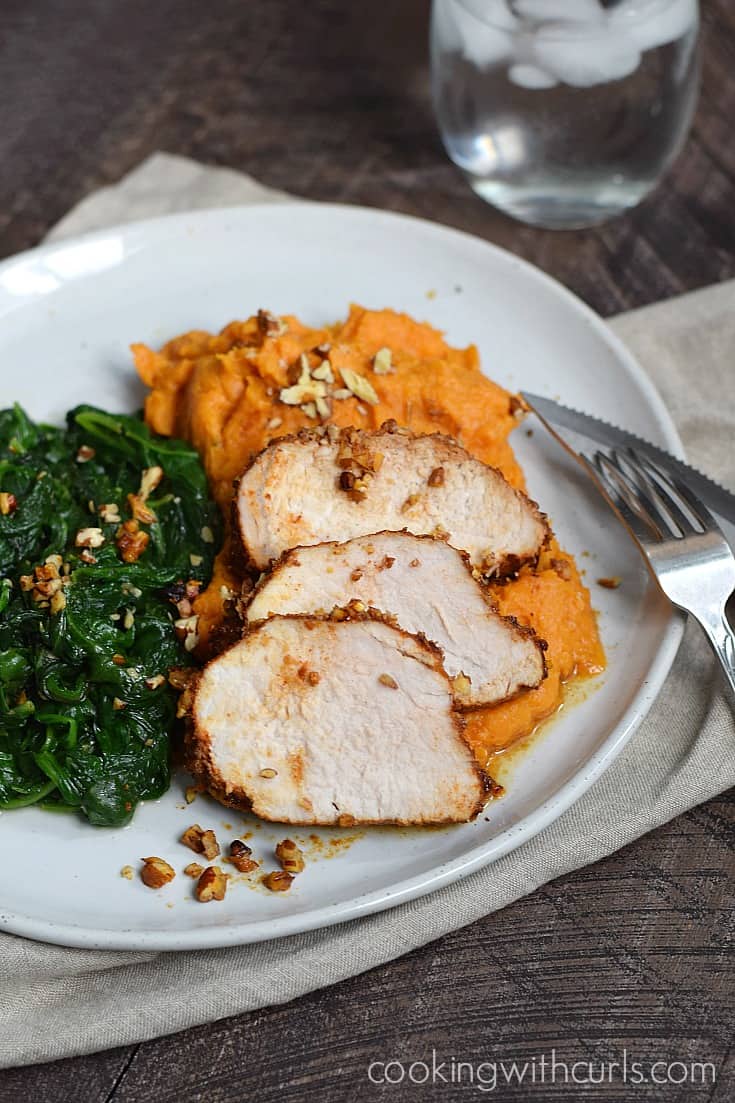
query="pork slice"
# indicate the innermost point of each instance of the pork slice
(429, 588)
(334, 484)
(310, 721)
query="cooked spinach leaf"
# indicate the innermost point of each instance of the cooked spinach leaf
(102, 526)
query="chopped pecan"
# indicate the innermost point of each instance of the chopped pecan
(188, 629)
(210, 846)
(241, 857)
(290, 856)
(149, 480)
(212, 885)
(8, 503)
(156, 873)
(278, 881)
(58, 601)
(89, 538)
(201, 841)
(359, 386)
(131, 542)
(436, 478)
(383, 361)
(323, 372)
(194, 869)
(140, 510)
(110, 513)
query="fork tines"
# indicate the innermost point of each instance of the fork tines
(646, 495)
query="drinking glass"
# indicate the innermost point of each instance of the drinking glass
(563, 113)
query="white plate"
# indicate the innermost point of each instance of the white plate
(68, 314)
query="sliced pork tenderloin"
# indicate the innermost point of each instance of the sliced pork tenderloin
(429, 588)
(329, 484)
(310, 721)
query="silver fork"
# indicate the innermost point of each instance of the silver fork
(681, 541)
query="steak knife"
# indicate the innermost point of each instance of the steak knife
(582, 433)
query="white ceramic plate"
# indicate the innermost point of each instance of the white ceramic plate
(69, 312)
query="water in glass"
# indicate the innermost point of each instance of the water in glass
(562, 113)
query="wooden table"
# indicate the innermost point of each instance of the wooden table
(329, 100)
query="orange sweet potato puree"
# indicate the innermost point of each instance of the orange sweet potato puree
(221, 392)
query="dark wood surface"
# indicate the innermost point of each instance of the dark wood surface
(329, 100)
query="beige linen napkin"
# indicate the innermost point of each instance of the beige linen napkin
(57, 1002)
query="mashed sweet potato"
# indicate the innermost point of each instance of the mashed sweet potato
(231, 393)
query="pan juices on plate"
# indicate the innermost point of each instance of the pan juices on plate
(378, 512)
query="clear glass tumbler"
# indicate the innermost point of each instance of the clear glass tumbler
(562, 113)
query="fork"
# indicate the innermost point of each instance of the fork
(684, 547)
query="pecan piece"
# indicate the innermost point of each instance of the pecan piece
(131, 542)
(201, 841)
(278, 881)
(89, 538)
(140, 510)
(241, 857)
(149, 480)
(290, 856)
(156, 873)
(212, 885)
(8, 503)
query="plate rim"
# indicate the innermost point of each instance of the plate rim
(410, 888)
(597, 322)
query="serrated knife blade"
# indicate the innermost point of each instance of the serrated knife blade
(582, 433)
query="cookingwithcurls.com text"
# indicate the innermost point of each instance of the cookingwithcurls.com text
(547, 1069)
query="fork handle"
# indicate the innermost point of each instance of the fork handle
(722, 639)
